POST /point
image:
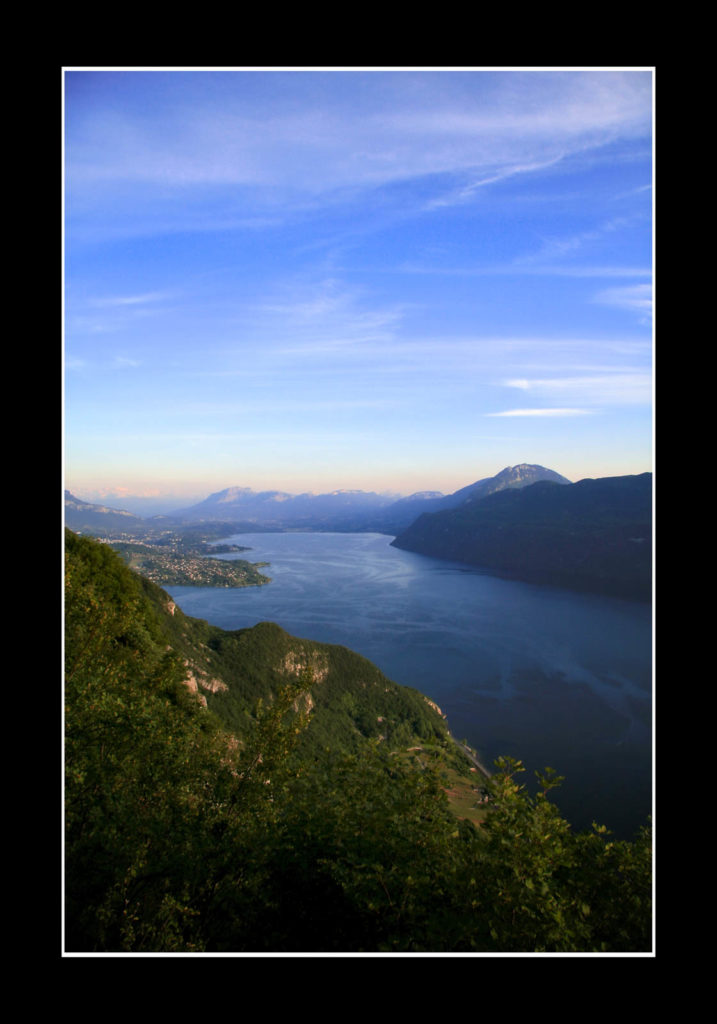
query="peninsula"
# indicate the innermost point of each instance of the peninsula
(185, 565)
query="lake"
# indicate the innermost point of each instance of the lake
(547, 675)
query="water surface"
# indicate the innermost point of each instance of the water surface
(544, 674)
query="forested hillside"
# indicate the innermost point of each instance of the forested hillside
(592, 535)
(248, 791)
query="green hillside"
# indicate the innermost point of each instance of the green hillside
(249, 791)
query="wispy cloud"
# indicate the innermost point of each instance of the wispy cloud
(566, 270)
(114, 301)
(108, 314)
(322, 317)
(346, 130)
(617, 388)
(558, 248)
(466, 192)
(541, 412)
(524, 266)
(635, 298)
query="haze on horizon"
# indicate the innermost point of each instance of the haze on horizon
(312, 280)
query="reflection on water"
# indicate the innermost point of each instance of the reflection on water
(550, 676)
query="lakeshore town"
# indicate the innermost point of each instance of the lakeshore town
(173, 562)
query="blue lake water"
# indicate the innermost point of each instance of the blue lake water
(547, 675)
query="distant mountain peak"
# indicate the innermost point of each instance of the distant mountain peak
(521, 475)
(86, 506)
(524, 469)
(231, 493)
(86, 516)
(423, 496)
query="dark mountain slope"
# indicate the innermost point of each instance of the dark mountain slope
(592, 535)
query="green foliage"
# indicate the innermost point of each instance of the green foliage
(352, 700)
(307, 827)
(154, 792)
(364, 851)
(550, 890)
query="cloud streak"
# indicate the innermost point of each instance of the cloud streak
(635, 298)
(618, 387)
(120, 301)
(233, 132)
(541, 412)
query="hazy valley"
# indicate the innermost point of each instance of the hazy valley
(527, 522)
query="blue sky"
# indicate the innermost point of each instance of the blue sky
(389, 280)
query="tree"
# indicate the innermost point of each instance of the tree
(159, 801)
(544, 888)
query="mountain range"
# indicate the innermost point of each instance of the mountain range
(527, 522)
(351, 509)
(338, 510)
(276, 509)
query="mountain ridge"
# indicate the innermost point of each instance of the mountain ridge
(343, 509)
(591, 535)
(86, 515)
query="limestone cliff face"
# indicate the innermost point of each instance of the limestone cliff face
(434, 706)
(196, 678)
(294, 663)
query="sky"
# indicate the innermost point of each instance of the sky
(319, 279)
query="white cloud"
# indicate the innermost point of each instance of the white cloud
(618, 388)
